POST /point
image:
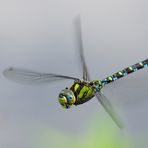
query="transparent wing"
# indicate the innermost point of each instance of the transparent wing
(27, 76)
(109, 108)
(80, 46)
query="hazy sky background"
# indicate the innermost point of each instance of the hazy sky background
(40, 35)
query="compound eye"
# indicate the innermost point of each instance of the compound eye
(70, 99)
(69, 96)
(60, 95)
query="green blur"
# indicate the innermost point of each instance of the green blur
(97, 134)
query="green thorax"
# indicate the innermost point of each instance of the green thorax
(84, 91)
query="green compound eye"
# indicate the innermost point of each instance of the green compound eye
(71, 100)
(62, 99)
(66, 98)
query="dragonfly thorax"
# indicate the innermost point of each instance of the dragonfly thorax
(66, 98)
(85, 90)
(97, 84)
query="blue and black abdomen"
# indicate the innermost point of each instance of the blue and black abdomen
(125, 72)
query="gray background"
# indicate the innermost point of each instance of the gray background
(40, 35)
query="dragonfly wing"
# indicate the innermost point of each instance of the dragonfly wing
(31, 77)
(109, 109)
(80, 46)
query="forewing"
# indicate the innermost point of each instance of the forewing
(109, 109)
(80, 46)
(31, 77)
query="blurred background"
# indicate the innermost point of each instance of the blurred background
(40, 36)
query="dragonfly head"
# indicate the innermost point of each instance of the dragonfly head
(66, 98)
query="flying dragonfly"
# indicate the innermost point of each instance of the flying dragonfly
(82, 90)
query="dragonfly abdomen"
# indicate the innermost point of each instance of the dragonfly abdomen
(125, 72)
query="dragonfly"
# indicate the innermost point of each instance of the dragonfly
(82, 90)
